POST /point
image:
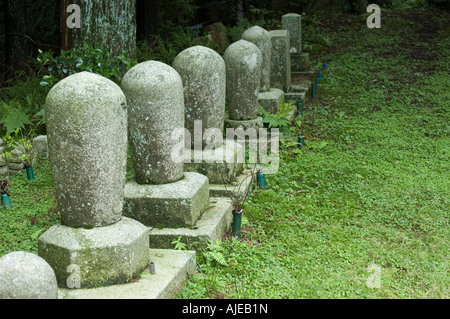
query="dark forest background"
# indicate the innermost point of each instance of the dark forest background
(29, 25)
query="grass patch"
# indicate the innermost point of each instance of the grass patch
(33, 211)
(370, 187)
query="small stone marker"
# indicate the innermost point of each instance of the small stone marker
(161, 193)
(262, 39)
(281, 60)
(299, 61)
(87, 140)
(25, 275)
(293, 23)
(86, 126)
(40, 146)
(154, 92)
(203, 74)
(243, 61)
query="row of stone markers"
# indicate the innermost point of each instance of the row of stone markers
(173, 118)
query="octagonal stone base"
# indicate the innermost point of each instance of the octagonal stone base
(177, 204)
(97, 257)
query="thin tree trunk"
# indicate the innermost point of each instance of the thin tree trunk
(18, 45)
(240, 11)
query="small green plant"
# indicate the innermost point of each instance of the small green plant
(21, 143)
(178, 244)
(214, 254)
(88, 59)
(279, 119)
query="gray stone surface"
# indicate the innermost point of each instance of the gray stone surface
(293, 23)
(2, 160)
(295, 96)
(243, 62)
(154, 92)
(4, 171)
(178, 204)
(173, 267)
(220, 164)
(213, 225)
(105, 255)
(281, 60)
(262, 39)
(300, 62)
(203, 73)
(245, 124)
(87, 139)
(25, 275)
(16, 166)
(16, 155)
(40, 146)
(242, 184)
(271, 100)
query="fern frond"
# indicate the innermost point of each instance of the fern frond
(15, 119)
(216, 256)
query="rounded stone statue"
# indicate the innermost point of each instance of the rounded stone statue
(262, 39)
(203, 73)
(243, 61)
(87, 140)
(25, 275)
(154, 93)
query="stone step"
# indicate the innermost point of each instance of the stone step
(242, 185)
(172, 268)
(295, 96)
(212, 225)
(309, 75)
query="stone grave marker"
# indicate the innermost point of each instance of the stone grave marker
(268, 97)
(243, 62)
(203, 74)
(86, 116)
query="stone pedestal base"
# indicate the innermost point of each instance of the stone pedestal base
(300, 62)
(213, 225)
(178, 204)
(242, 185)
(271, 100)
(173, 268)
(97, 257)
(245, 124)
(295, 96)
(220, 165)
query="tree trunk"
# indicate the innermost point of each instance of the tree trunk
(18, 45)
(106, 24)
(240, 11)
